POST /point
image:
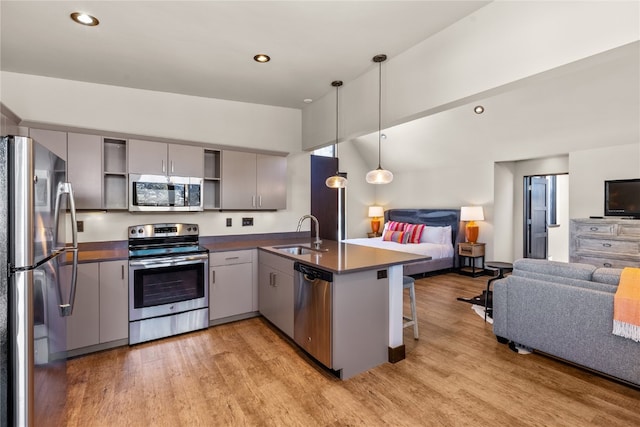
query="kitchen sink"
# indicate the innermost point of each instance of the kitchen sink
(300, 250)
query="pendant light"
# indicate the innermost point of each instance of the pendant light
(379, 175)
(337, 180)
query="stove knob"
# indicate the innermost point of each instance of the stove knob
(133, 231)
(195, 229)
(140, 230)
(188, 228)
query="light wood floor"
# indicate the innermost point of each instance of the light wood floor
(245, 373)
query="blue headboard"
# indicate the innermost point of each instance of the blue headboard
(432, 217)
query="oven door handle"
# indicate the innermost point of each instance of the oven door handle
(169, 261)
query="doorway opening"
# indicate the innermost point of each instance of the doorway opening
(546, 217)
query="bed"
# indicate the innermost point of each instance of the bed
(444, 255)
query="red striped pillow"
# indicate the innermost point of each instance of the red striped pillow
(394, 236)
(395, 226)
(413, 231)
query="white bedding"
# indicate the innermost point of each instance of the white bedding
(435, 251)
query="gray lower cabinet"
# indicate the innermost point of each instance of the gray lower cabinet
(101, 309)
(275, 290)
(84, 169)
(231, 284)
(83, 326)
(114, 301)
(253, 181)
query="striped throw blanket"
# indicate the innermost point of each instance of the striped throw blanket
(626, 305)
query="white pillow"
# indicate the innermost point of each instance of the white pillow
(438, 235)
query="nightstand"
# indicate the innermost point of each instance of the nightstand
(370, 235)
(468, 253)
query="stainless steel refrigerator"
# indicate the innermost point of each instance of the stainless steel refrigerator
(34, 199)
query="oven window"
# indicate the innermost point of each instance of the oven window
(167, 285)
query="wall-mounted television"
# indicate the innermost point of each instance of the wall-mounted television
(622, 198)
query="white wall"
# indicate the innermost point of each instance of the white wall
(152, 114)
(559, 236)
(590, 168)
(451, 186)
(499, 44)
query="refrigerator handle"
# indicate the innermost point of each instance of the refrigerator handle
(66, 309)
(65, 188)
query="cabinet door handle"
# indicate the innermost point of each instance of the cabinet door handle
(259, 201)
(213, 277)
(171, 166)
(163, 169)
(122, 271)
(606, 245)
(607, 264)
(253, 201)
(594, 229)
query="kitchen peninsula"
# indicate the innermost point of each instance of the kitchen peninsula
(364, 306)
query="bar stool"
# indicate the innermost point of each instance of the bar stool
(409, 283)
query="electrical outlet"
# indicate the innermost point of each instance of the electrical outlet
(382, 274)
(247, 221)
(80, 225)
(229, 222)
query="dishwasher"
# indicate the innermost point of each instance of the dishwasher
(312, 321)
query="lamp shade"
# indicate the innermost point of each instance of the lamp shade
(471, 213)
(336, 181)
(375, 211)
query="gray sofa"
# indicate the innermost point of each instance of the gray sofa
(565, 310)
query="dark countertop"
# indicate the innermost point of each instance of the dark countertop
(341, 258)
(118, 250)
(337, 257)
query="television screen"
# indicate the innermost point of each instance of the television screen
(622, 198)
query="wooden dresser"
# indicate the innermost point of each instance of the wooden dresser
(605, 242)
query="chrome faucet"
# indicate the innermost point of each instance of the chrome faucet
(317, 242)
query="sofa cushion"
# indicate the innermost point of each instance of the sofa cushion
(555, 268)
(587, 284)
(610, 276)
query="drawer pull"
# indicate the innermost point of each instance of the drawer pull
(606, 245)
(594, 229)
(231, 258)
(607, 264)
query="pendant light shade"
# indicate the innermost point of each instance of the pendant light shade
(379, 175)
(337, 180)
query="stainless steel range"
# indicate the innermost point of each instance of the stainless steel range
(168, 281)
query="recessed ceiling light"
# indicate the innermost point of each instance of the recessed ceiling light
(85, 19)
(261, 57)
(478, 109)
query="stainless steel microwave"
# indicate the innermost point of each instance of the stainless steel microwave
(161, 193)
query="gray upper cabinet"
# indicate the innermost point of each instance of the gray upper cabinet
(271, 182)
(84, 169)
(253, 181)
(53, 140)
(159, 158)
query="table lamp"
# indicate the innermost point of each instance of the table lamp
(375, 212)
(471, 214)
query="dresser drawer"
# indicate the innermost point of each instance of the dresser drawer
(630, 230)
(230, 258)
(627, 247)
(606, 262)
(596, 228)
